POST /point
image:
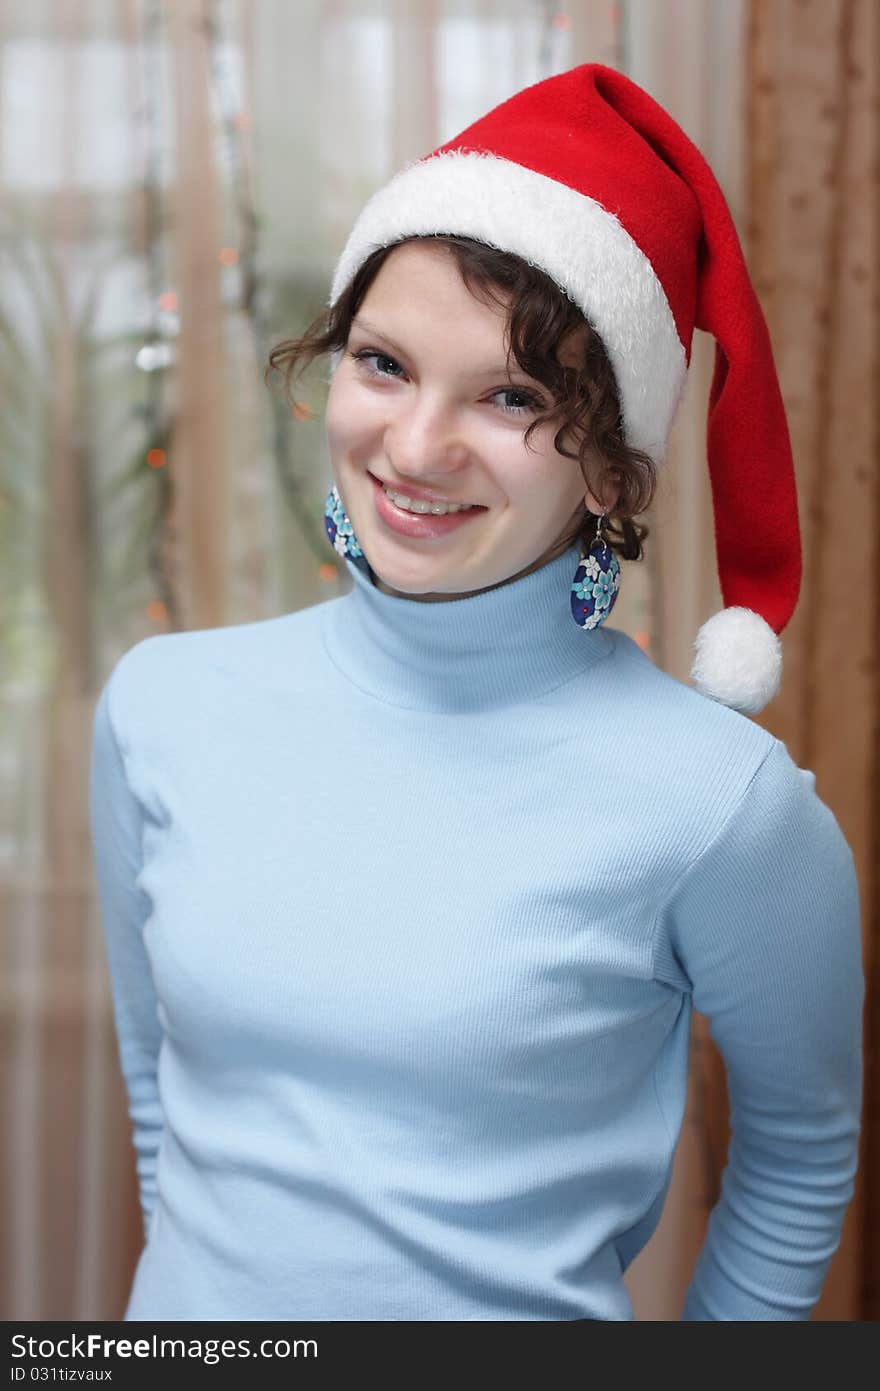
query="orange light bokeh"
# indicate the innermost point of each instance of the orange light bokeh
(156, 458)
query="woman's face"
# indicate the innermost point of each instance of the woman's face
(422, 401)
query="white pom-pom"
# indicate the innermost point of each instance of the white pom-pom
(738, 660)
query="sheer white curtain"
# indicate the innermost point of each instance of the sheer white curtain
(177, 182)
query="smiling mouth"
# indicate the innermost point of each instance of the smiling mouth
(427, 523)
(424, 502)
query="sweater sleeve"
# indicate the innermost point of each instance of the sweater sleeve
(116, 822)
(765, 925)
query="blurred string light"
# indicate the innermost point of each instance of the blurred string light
(158, 349)
(154, 355)
(243, 286)
(241, 291)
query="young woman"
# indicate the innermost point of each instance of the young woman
(408, 896)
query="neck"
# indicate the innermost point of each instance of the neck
(513, 641)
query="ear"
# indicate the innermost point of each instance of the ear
(608, 479)
(611, 495)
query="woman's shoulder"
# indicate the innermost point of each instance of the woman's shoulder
(691, 755)
(170, 676)
(661, 710)
(698, 768)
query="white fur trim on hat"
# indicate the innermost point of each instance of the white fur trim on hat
(582, 247)
(738, 660)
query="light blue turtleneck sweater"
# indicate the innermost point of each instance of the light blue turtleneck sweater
(406, 907)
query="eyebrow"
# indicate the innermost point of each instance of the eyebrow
(358, 322)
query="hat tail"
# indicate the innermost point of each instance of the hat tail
(751, 470)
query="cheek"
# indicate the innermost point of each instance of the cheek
(336, 415)
(351, 424)
(540, 478)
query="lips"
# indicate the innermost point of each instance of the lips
(420, 526)
(423, 495)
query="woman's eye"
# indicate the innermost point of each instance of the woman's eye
(366, 353)
(381, 365)
(528, 402)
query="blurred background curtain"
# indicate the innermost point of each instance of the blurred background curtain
(176, 181)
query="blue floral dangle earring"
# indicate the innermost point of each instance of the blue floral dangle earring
(340, 530)
(596, 582)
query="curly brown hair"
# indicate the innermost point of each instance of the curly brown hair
(540, 318)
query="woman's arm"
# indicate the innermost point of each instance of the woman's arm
(116, 845)
(766, 926)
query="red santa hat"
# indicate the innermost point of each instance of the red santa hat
(585, 176)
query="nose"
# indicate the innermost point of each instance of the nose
(424, 442)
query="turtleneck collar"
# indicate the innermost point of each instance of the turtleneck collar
(497, 647)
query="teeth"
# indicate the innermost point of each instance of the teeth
(437, 509)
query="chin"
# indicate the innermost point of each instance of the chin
(411, 586)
